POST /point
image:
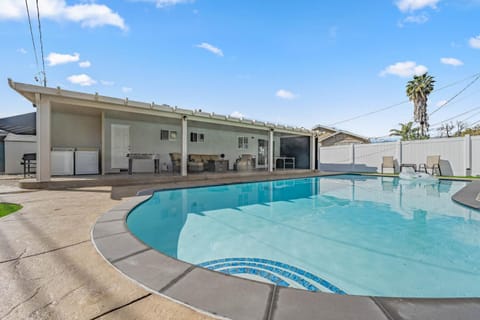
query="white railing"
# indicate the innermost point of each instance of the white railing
(458, 156)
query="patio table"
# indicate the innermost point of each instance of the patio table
(143, 156)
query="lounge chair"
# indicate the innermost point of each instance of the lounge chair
(388, 162)
(433, 162)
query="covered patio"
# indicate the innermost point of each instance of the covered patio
(157, 140)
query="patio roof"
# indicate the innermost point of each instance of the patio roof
(67, 97)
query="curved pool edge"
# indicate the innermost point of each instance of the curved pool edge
(224, 296)
(469, 195)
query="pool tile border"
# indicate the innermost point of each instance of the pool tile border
(224, 296)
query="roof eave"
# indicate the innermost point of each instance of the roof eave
(29, 91)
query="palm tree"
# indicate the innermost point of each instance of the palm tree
(418, 90)
(406, 131)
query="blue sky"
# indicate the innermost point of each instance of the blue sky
(298, 63)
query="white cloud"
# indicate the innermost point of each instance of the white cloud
(168, 3)
(126, 89)
(210, 48)
(440, 103)
(84, 64)
(237, 114)
(22, 51)
(59, 58)
(419, 19)
(285, 94)
(87, 14)
(452, 61)
(165, 3)
(413, 5)
(81, 79)
(107, 83)
(404, 69)
(475, 42)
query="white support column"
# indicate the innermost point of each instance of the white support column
(44, 111)
(270, 150)
(468, 155)
(312, 152)
(102, 151)
(399, 154)
(319, 145)
(353, 156)
(184, 146)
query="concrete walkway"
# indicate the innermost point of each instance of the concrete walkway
(49, 268)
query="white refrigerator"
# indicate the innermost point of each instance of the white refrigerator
(86, 161)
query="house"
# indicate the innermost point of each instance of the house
(68, 120)
(329, 136)
(17, 136)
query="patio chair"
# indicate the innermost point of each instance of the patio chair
(245, 163)
(433, 162)
(176, 159)
(388, 162)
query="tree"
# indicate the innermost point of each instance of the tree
(406, 131)
(418, 90)
(446, 129)
(473, 131)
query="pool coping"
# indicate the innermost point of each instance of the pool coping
(228, 297)
(469, 195)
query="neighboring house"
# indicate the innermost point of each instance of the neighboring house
(328, 136)
(116, 127)
(20, 124)
(17, 136)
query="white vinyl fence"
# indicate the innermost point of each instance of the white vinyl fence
(458, 156)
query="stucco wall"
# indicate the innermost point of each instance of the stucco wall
(76, 130)
(145, 138)
(226, 141)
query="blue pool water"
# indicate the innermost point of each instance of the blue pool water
(344, 234)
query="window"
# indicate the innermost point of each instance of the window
(197, 137)
(243, 143)
(164, 134)
(193, 137)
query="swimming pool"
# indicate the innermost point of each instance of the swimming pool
(348, 234)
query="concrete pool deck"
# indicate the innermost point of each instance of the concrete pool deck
(49, 269)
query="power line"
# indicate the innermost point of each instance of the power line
(31, 34)
(41, 46)
(370, 113)
(474, 123)
(456, 116)
(456, 95)
(477, 75)
(470, 117)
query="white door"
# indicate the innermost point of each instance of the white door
(120, 145)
